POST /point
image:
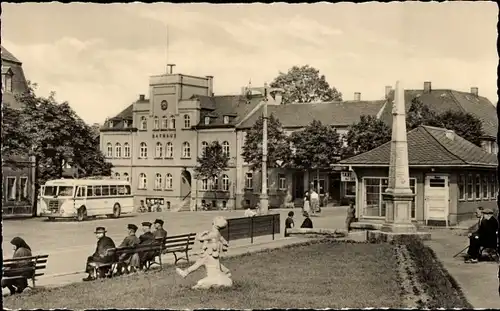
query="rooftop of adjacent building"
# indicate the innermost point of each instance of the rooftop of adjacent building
(13, 67)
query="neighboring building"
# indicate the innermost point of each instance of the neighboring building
(449, 175)
(442, 100)
(17, 173)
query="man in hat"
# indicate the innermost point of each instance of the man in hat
(147, 238)
(307, 223)
(100, 256)
(485, 236)
(159, 233)
(131, 240)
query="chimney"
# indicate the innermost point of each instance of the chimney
(170, 69)
(474, 91)
(357, 96)
(142, 97)
(388, 90)
(210, 80)
(427, 87)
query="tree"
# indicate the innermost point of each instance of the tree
(14, 142)
(316, 146)
(212, 163)
(278, 147)
(304, 85)
(367, 134)
(419, 114)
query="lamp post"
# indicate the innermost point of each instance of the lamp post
(264, 198)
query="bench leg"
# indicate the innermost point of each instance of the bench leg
(187, 256)
(176, 259)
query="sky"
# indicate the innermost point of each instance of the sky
(99, 57)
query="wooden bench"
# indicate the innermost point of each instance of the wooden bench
(24, 267)
(250, 227)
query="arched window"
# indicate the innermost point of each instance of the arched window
(158, 181)
(156, 123)
(164, 122)
(118, 150)
(187, 121)
(125, 176)
(143, 181)
(225, 148)
(109, 150)
(126, 150)
(204, 146)
(225, 183)
(169, 152)
(172, 122)
(186, 150)
(159, 150)
(143, 151)
(144, 123)
(168, 181)
(215, 183)
(117, 175)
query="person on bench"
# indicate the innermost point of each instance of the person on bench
(147, 238)
(159, 233)
(21, 249)
(485, 236)
(100, 255)
(307, 223)
(131, 240)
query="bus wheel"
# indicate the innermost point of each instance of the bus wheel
(116, 211)
(82, 214)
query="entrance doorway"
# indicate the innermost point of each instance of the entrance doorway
(298, 180)
(436, 198)
(185, 184)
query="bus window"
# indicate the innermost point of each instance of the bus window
(97, 191)
(50, 191)
(113, 190)
(89, 191)
(127, 190)
(80, 192)
(105, 190)
(65, 191)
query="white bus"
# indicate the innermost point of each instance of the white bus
(82, 198)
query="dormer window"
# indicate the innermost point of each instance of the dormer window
(110, 124)
(207, 120)
(125, 123)
(226, 119)
(7, 79)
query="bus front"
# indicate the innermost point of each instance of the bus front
(57, 201)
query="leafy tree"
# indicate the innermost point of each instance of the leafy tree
(212, 163)
(368, 133)
(419, 114)
(278, 147)
(316, 146)
(304, 85)
(14, 142)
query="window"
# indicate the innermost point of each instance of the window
(204, 184)
(80, 192)
(186, 150)
(478, 187)
(225, 183)
(226, 119)
(164, 122)
(105, 190)
(143, 151)
(204, 146)
(470, 187)
(169, 152)
(158, 181)
(493, 186)
(485, 187)
(215, 183)
(97, 191)
(125, 123)
(159, 150)
(207, 120)
(224, 204)
(168, 204)
(126, 150)
(187, 121)
(117, 175)
(349, 188)
(124, 190)
(118, 150)
(225, 148)
(110, 124)
(143, 181)
(172, 122)
(374, 206)
(113, 190)
(7, 82)
(125, 176)
(90, 191)
(282, 182)
(109, 152)
(249, 181)
(144, 123)
(168, 181)
(156, 123)
(23, 187)
(461, 187)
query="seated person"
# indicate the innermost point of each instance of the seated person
(21, 249)
(307, 223)
(131, 240)
(249, 212)
(100, 255)
(289, 224)
(485, 236)
(159, 233)
(147, 238)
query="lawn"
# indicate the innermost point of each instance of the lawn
(314, 275)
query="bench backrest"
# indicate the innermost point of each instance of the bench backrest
(168, 242)
(37, 263)
(180, 240)
(250, 227)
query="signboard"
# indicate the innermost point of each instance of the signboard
(153, 201)
(347, 176)
(163, 135)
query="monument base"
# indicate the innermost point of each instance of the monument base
(399, 227)
(378, 236)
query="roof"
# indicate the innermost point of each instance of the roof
(444, 100)
(216, 107)
(8, 56)
(332, 113)
(19, 83)
(89, 181)
(429, 145)
(6, 69)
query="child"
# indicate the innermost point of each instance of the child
(307, 205)
(351, 214)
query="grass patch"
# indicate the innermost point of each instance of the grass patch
(323, 274)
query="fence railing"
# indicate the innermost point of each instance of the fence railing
(250, 227)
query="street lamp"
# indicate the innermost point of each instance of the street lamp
(264, 198)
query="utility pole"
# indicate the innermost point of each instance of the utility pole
(264, 198)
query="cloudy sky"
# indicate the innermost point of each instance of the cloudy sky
(99, 57)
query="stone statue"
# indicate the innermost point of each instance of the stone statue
(213, 244)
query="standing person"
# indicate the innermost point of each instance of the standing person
(314, 201)
(131, 240)
(159, 233)
(100, 255)
(21, 249)
(307, 204)
(289, 223)
(307, 223)
(249, 212)
(148, 203)
(351, 215)
(485, 236)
